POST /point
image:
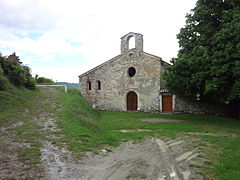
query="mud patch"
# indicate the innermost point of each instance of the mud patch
(157, 120)
(134, 130)
(211, 134)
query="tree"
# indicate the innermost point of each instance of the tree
(207, 67)
(17, 73)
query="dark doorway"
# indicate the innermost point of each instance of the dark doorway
(132, 101)
(167, 103)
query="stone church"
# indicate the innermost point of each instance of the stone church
(130, 81)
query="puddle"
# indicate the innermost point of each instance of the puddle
(134, 130)
(211, 134)
(156, 120)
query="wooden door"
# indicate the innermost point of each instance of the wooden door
(167, 103)
(132, 101)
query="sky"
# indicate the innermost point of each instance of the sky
(61, 39)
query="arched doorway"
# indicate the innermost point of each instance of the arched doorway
(132, 101)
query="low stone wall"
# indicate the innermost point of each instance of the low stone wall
(186, 106)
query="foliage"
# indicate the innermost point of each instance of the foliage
(43, 80)
(17, 73)
(208, 63)
(4, 83)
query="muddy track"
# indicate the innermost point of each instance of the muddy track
(152, 159)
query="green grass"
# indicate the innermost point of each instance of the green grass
(223, 161)
(79, 123)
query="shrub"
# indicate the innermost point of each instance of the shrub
(43, 80)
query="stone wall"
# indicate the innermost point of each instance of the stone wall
(186, 106)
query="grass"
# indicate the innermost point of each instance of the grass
(13, 101)
(79, 123)
(223, 162)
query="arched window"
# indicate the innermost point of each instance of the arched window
(89, 86)
(131, 42)
(98, 85)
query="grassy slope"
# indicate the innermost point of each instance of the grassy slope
(13, 101)
(85, 128)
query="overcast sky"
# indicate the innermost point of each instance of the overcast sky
(60, 39)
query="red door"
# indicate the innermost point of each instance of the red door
(167, 103)
(132, 101)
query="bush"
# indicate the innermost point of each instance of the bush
(30, 83)
(43, 80)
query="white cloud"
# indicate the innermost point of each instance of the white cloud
(95, 27)
(25, 15)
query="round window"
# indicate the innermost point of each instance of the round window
(130, 54)
(131, 71)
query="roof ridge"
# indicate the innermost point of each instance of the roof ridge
(100, 65)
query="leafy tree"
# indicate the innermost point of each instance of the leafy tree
(208, 64)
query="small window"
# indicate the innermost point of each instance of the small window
(89, 86)
(131, 71)
(99, 85)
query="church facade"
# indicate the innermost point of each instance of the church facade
(130, 81)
